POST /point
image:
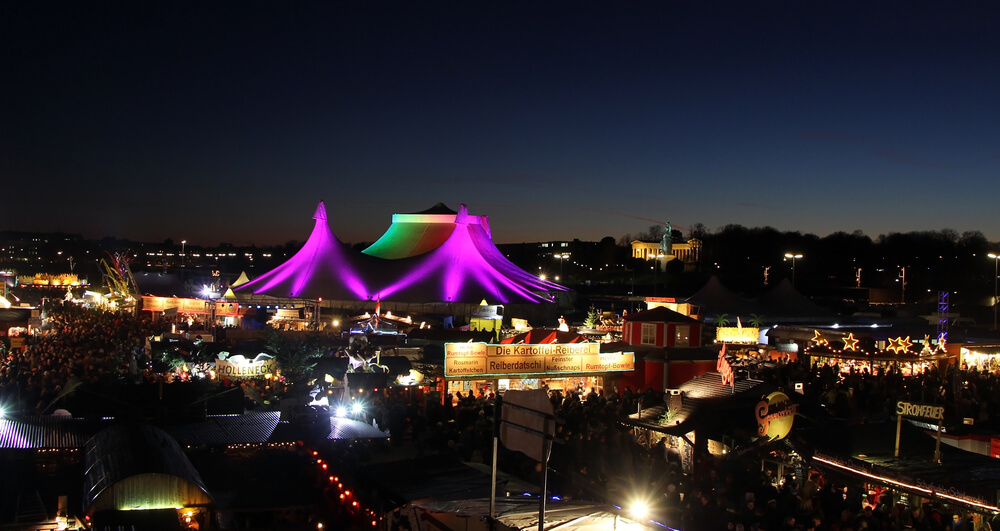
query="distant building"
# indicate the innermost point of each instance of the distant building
(688, 252)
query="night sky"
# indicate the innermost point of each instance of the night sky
(558, 120)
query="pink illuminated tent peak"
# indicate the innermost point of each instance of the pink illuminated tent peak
(437, 255)
(323, 268)
(465, 267)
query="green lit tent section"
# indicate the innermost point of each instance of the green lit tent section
(415, 234)
(139, 467)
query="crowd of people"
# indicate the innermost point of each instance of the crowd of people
(595, 456)
(869, 394)
(75, 345)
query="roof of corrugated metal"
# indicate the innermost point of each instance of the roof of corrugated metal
(126, 450)
(251, 427)
(255, 427)
(710, 386)
(701, 404)
(34, 433)
(341, 428)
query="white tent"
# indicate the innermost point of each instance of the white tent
(517, 514)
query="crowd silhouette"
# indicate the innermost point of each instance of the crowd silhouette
(76, 345)
(597, 457)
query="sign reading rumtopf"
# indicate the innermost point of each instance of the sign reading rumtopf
(480, 359)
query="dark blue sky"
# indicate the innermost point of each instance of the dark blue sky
(558, 120)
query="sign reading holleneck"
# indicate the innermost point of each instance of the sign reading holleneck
(239, 367)
(480, 359)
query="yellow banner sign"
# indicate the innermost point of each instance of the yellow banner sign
(196, 306)
(464, 349)
(464, 365)
(480, 359)
(731, 334)
(564, 363)
(618, 361)
(551, 349)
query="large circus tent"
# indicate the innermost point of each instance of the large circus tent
(425, 259)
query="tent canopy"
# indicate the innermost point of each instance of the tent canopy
(428, 257)
(139, 467)
(715, 298)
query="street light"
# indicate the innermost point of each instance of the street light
(183, 257)
(656, 268)
(793, 257)
(562, 257)
(996, 260)
(639, 510)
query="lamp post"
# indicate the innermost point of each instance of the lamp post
(656, 269)
(562, 257)
(996, 260)
(793, 257)
(183, 259)
(902, 284)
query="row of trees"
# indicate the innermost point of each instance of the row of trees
(932, 261)
(841, 265)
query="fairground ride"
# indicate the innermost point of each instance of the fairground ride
(123, 291)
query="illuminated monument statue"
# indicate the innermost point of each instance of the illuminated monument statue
(666, 244)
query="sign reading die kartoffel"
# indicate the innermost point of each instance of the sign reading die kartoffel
(480, 359)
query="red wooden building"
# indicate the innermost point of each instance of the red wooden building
(668, 349)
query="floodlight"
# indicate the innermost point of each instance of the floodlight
(639, 510)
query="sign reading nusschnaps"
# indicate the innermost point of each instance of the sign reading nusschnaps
(480, 359)
(239, 366)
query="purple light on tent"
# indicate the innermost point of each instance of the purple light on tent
(462, 272)
(467, 267)
(321, 268)
(480, 237)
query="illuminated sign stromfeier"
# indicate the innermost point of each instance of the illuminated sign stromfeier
(480, 359)
(923, 411)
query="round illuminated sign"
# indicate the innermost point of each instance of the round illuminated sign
(775, 415)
